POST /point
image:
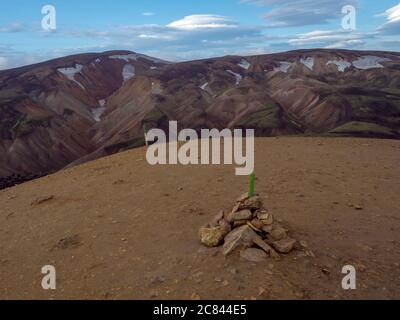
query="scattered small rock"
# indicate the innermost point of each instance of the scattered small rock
(361, 267)
(153, 294)
(309, 253)
(326, 271)
(198, 274)
(42, 200)
(156, 280)
(71, 242)
(195, 296)
(269, 272)
(262, 292)
(232, 270)
(303, 243)
(9, 215)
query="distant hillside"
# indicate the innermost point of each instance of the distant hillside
(82, 107)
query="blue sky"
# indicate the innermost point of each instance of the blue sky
(187, 29)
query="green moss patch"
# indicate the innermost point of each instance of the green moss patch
(355, 128)
(266, 118)
(26, 125)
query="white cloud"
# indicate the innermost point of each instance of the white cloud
(392, 26)
(290, 13)
(330, 39)
(393, 14)
(12, 58)
(153, 36)
(13, 27)
(345, 44)
(192, 37)
(3, 63)
(203, 21)
(252, 51)
(209, 35)
(148, 14)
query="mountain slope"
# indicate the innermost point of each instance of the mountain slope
(79, 108)
(47, 111)
(314, 92)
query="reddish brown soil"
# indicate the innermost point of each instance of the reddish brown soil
(130, 230)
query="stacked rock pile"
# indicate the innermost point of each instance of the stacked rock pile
(249, 228)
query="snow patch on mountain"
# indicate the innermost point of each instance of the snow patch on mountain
(71, 72)
(204, 86)
(284, 66)
(342, 65)
(244, 64)
(98, 112)
(237, 76)
(309, 62)
(135, 56)
(128, 72)
(369, 62)
(125, 57)
(152, 59)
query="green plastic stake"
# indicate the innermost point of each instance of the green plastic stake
(251, 184)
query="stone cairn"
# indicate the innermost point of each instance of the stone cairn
(250, 229)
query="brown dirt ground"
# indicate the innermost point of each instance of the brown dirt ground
(130, 229)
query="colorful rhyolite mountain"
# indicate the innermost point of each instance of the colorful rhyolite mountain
(82, 107)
